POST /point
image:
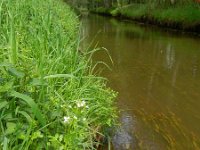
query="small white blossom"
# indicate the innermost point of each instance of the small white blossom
(80, 104)
(66, 119)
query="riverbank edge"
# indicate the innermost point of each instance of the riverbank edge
(63, 104)
(161, 17)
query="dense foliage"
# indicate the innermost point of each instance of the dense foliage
(91, 4)
(49, 98)
(178, 14)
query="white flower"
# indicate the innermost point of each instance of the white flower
(80, 104)
(66, 119)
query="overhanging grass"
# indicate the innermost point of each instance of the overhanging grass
(49, 99)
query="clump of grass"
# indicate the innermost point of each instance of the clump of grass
(48, 97)
(185, 14)
(180, 13)
(102, 10)
(115, 12)
(134, 11)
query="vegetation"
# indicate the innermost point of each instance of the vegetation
(49, 97)
(184, 17)
(181, 14)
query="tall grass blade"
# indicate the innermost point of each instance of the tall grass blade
(29, 119)
(59, 76)
(13, 45)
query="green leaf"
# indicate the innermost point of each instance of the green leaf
(35, 109)
(14, 72)
(3, 104)
(37, 82)
(5, 143)
(5, 64)
(8, 116)
(21, 136)
(36, 135)
(29, 119)
(1, 80)
(6, 87)
(10, 127)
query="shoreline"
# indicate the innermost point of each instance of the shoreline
(160, 17)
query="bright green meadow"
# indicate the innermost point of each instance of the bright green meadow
(49, 95)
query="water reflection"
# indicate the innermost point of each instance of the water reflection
(195, 66)
(170, 56)
(157, 76)
(124, 137)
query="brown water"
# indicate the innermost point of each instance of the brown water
(157, 75)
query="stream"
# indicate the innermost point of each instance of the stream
(157, 75)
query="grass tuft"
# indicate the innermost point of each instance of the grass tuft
(49, 98)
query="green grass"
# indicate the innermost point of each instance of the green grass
(185, 15)
(189, 13)
(134, 11)
(102, 10)
(49, 98)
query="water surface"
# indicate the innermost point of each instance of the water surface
(157, 75)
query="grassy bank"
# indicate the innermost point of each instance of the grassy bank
(49, 97)
(184, 17)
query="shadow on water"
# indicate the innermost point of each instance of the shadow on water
(157, 75)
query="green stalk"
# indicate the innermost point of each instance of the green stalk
(13, 44)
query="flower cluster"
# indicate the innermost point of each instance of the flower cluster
(66, 119)
(81, 104)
